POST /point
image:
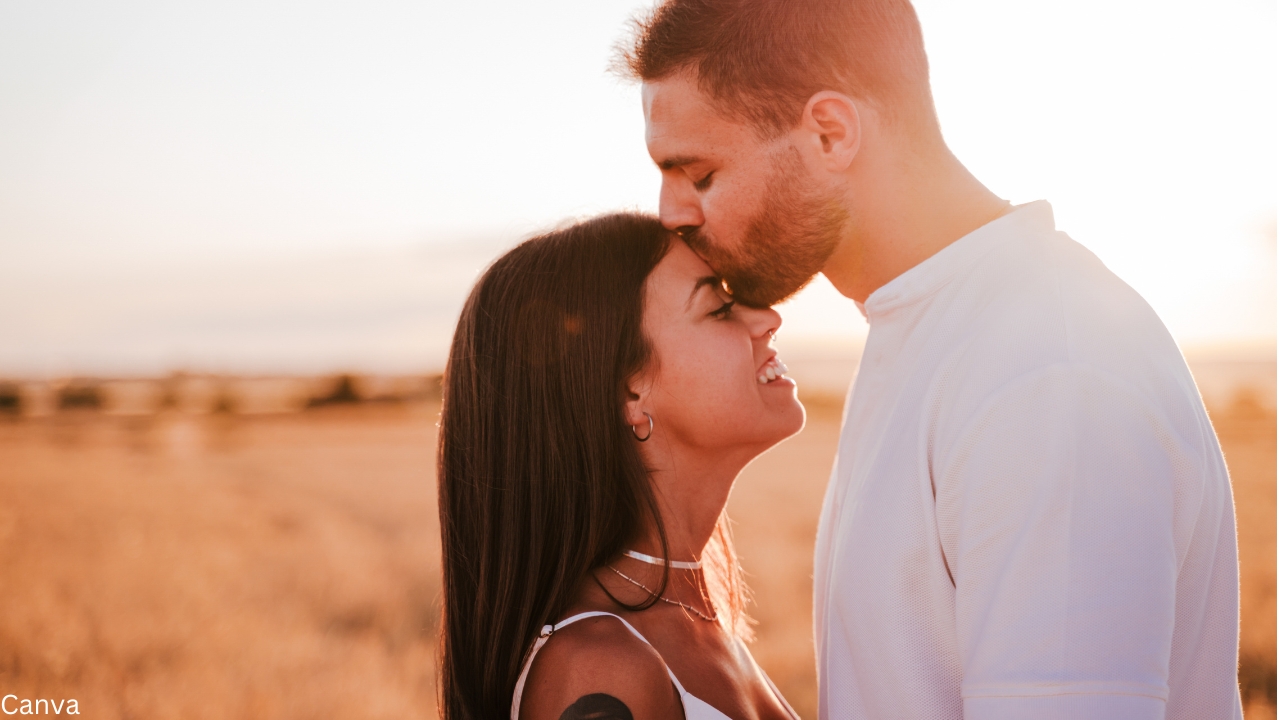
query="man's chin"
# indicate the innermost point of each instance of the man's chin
(766, 292)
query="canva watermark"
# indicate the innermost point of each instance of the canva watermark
(13, 705)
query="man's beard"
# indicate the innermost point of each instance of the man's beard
(785, 245)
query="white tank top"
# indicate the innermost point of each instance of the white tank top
(694, 708)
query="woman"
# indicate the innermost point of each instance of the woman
(603, 392)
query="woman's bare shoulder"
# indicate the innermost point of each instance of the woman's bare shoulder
(595, 668)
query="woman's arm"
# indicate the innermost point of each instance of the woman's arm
(595, 669)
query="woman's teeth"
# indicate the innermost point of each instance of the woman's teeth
(773, 370)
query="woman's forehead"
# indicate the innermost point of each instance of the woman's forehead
(675, 282)
(683, 262)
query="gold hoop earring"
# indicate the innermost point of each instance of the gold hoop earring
(646, 437)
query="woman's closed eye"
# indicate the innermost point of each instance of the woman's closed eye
(723, 311)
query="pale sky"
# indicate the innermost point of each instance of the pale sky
(188, 184)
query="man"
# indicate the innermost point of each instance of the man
(1029, 516)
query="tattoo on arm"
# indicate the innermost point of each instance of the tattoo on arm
(597, 706)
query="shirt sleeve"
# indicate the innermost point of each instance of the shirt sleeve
(1055, 510)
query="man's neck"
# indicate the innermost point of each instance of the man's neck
(904, 207)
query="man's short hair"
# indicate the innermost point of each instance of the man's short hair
(761, 60)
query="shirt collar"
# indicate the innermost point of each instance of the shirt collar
(957, 258)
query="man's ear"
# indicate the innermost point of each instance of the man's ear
(833, 129)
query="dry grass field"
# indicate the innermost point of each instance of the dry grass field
(286, 566)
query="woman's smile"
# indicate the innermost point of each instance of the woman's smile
(774, 372)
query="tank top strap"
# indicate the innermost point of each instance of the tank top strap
(545, 635)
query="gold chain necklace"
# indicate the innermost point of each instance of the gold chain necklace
(712, 618)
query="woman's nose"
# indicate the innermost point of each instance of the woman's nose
(762, 322)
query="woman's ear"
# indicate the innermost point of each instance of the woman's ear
(633, 409)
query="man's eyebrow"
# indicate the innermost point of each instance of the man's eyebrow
(710, 280)
(677, 161)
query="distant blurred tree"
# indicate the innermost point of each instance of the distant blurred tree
(344, 391)
(10, 399)
(80, 395)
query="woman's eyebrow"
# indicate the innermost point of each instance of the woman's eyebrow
(702, 282)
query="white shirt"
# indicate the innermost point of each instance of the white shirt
(1029, 516)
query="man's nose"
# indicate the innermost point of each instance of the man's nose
(678, 207)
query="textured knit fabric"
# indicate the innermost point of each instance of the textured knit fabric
(1029, 516)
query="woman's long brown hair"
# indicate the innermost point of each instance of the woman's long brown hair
(540, 477)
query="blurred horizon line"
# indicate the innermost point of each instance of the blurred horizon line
(823, 373)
